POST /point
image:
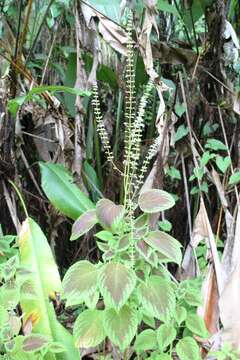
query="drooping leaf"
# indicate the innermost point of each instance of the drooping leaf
(83, 224)
(157, 297)
(108, 213)
(35, 254)
(58, 186)
(121, 326)
(165, 244)
(154, 200)
(88, 328)
(146, 340)
(187, 349)
(196, 324)
(14, 104)
(34, 342)
(116, 283)
(80, 281)
(166, 334)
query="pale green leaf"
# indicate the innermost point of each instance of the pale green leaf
(180, 314)
(197, 325)
(88, 329)
(146, 340)
(187, 349)
(116, 283)
(121, 326)
(166, 334)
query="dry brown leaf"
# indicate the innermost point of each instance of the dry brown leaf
(200, 230)
(210, 309)
(220, 189)
(229, 308)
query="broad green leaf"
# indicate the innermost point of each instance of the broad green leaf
(146, 340)
(105, 235)
(34, 342)
(108, 213)
(215, 144)
(223, 163)
(154, 200)
(80, 281)
(157, 297)
(121, 326)
(165, 244)
(58, 186)
(56, 347)
(165, 225)
(35, 254)
(180, 314)
(181, 132)
(166, 334)
(164, 6)
(206, 157)
(14, 104)
(83, 224)
(88, 329)
(197, 325)
(116, 283)
(193, 297)
(174, 173)
(187, 349)
(234, 178)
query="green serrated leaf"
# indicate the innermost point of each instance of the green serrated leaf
(187, 349)
(88, 328)
(116, 283)
(157, 297)
(146, 340)
(196, 324)
(166, 334)
(121, 326)
(80, 281)
(180, 314)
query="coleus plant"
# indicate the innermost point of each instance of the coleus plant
(131, 288)
(121, 296)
